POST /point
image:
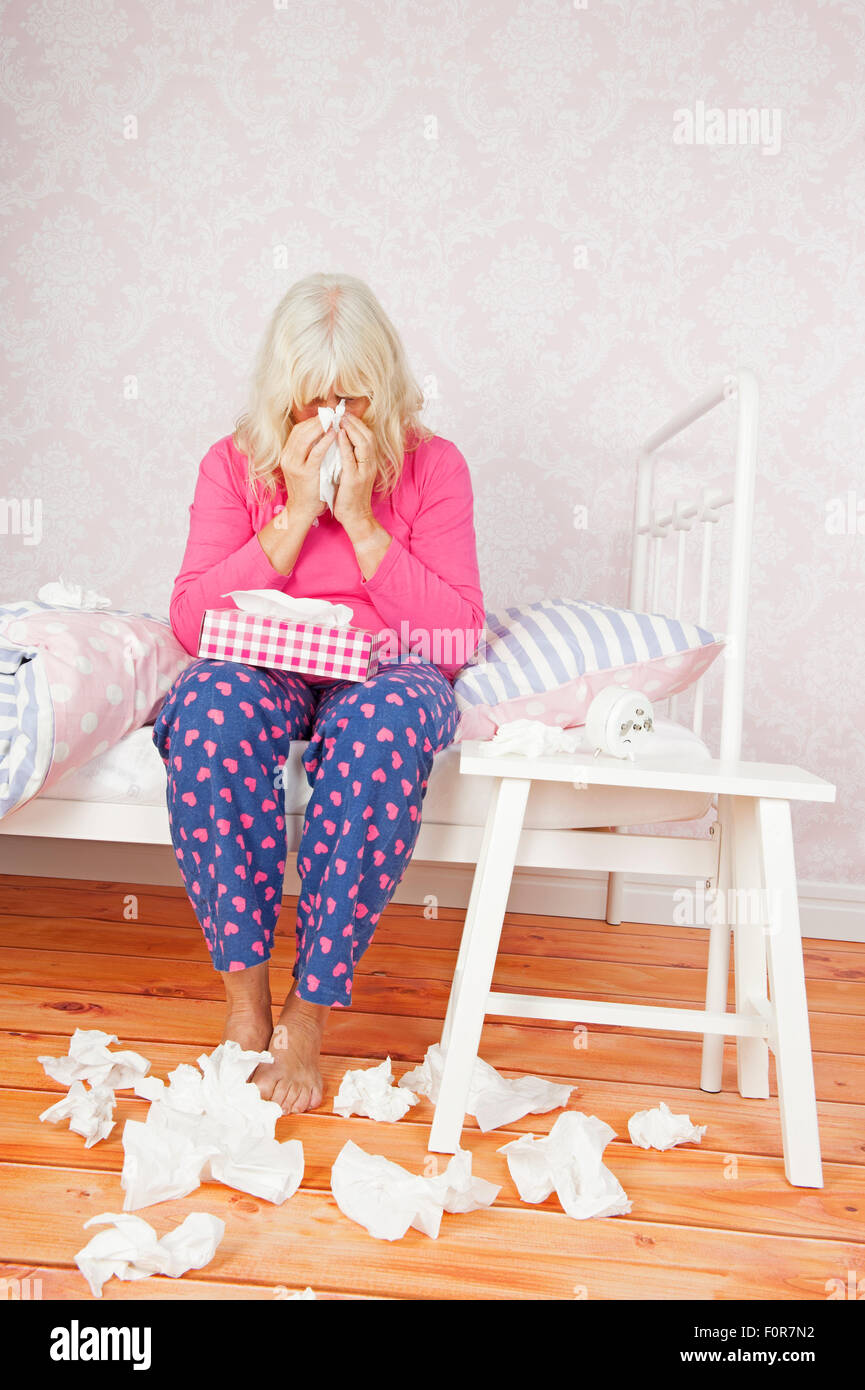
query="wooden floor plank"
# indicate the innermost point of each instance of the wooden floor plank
(308, 1241)
(546, 1051)
(377, 991)
(734, 1126)
(167, 905)
(67, 1284)
(125, 938)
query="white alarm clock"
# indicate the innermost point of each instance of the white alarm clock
(620, 722)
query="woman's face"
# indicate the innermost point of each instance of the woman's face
(355, 405)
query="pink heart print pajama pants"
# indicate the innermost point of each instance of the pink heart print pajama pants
(224, 732)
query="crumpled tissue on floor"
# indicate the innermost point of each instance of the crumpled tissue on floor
(387, 1199)
(208, 1124)
(494, 1100)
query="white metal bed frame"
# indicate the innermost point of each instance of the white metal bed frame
(653, 527)
(601, 850)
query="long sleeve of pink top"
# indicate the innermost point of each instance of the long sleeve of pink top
(427, 582)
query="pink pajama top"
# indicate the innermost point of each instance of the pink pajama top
(427, 580)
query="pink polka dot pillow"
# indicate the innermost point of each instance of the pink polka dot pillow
(75, 682)
(548, 661)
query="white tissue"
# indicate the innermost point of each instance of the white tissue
(386, 1199)
(89, 1112)
(161, 1163)
(66, 595)
(459, 1190)
(208, 1123)
(661, 1129)
(371, 1092)
(533, 739)
(270, 603)
(494, 1100)
(570, 1160)
(306, 1295)
(265, 1168)
(331, 464)
(89, 1059)
(132, 1249)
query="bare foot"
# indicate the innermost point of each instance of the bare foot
(293, 1079)
(248, 1019)
(251, 1030)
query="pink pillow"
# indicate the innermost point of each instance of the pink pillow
(107, 673)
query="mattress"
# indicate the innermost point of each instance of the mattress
(132, 773)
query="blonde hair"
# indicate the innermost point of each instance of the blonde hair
(330, 330)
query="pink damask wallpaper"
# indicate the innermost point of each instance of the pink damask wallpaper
(577, 214)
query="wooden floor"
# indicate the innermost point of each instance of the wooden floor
(714, 1222)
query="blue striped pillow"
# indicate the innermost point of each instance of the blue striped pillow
(548, 660)
(26, 718)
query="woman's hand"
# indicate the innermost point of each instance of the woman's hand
(301, 464)
(359, 454)
(352, 505)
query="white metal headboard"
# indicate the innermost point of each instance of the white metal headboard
(651, 529)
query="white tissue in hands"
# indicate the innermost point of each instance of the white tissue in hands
(331, 464)
(132, 1249)
(89, 1111)
(371, 1092)
(90, 1060)
(494, 1100)
(661, 1129)
(208, 1123)
(270, 603)
(568, 1160)
(386, 1199)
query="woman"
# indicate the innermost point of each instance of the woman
(399, 549)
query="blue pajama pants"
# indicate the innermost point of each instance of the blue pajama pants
(224, 733)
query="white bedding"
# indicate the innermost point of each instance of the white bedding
(132, 773)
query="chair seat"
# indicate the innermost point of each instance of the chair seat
(452, 799)
(132, 772)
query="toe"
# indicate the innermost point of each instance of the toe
(264, 1080)
(302, 1101)
(290, 1097)
(279, 1093)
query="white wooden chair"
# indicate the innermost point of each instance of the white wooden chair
(750, 851)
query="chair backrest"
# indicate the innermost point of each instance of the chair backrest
(698, 512)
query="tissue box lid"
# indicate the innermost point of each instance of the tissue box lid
(340, 653)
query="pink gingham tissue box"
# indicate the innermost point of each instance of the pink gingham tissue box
(258, 634)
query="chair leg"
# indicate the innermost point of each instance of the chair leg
(792, 1044)
(482, 932)
(749, 945)
(718, 965)
(615, 891)
(468, 928)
